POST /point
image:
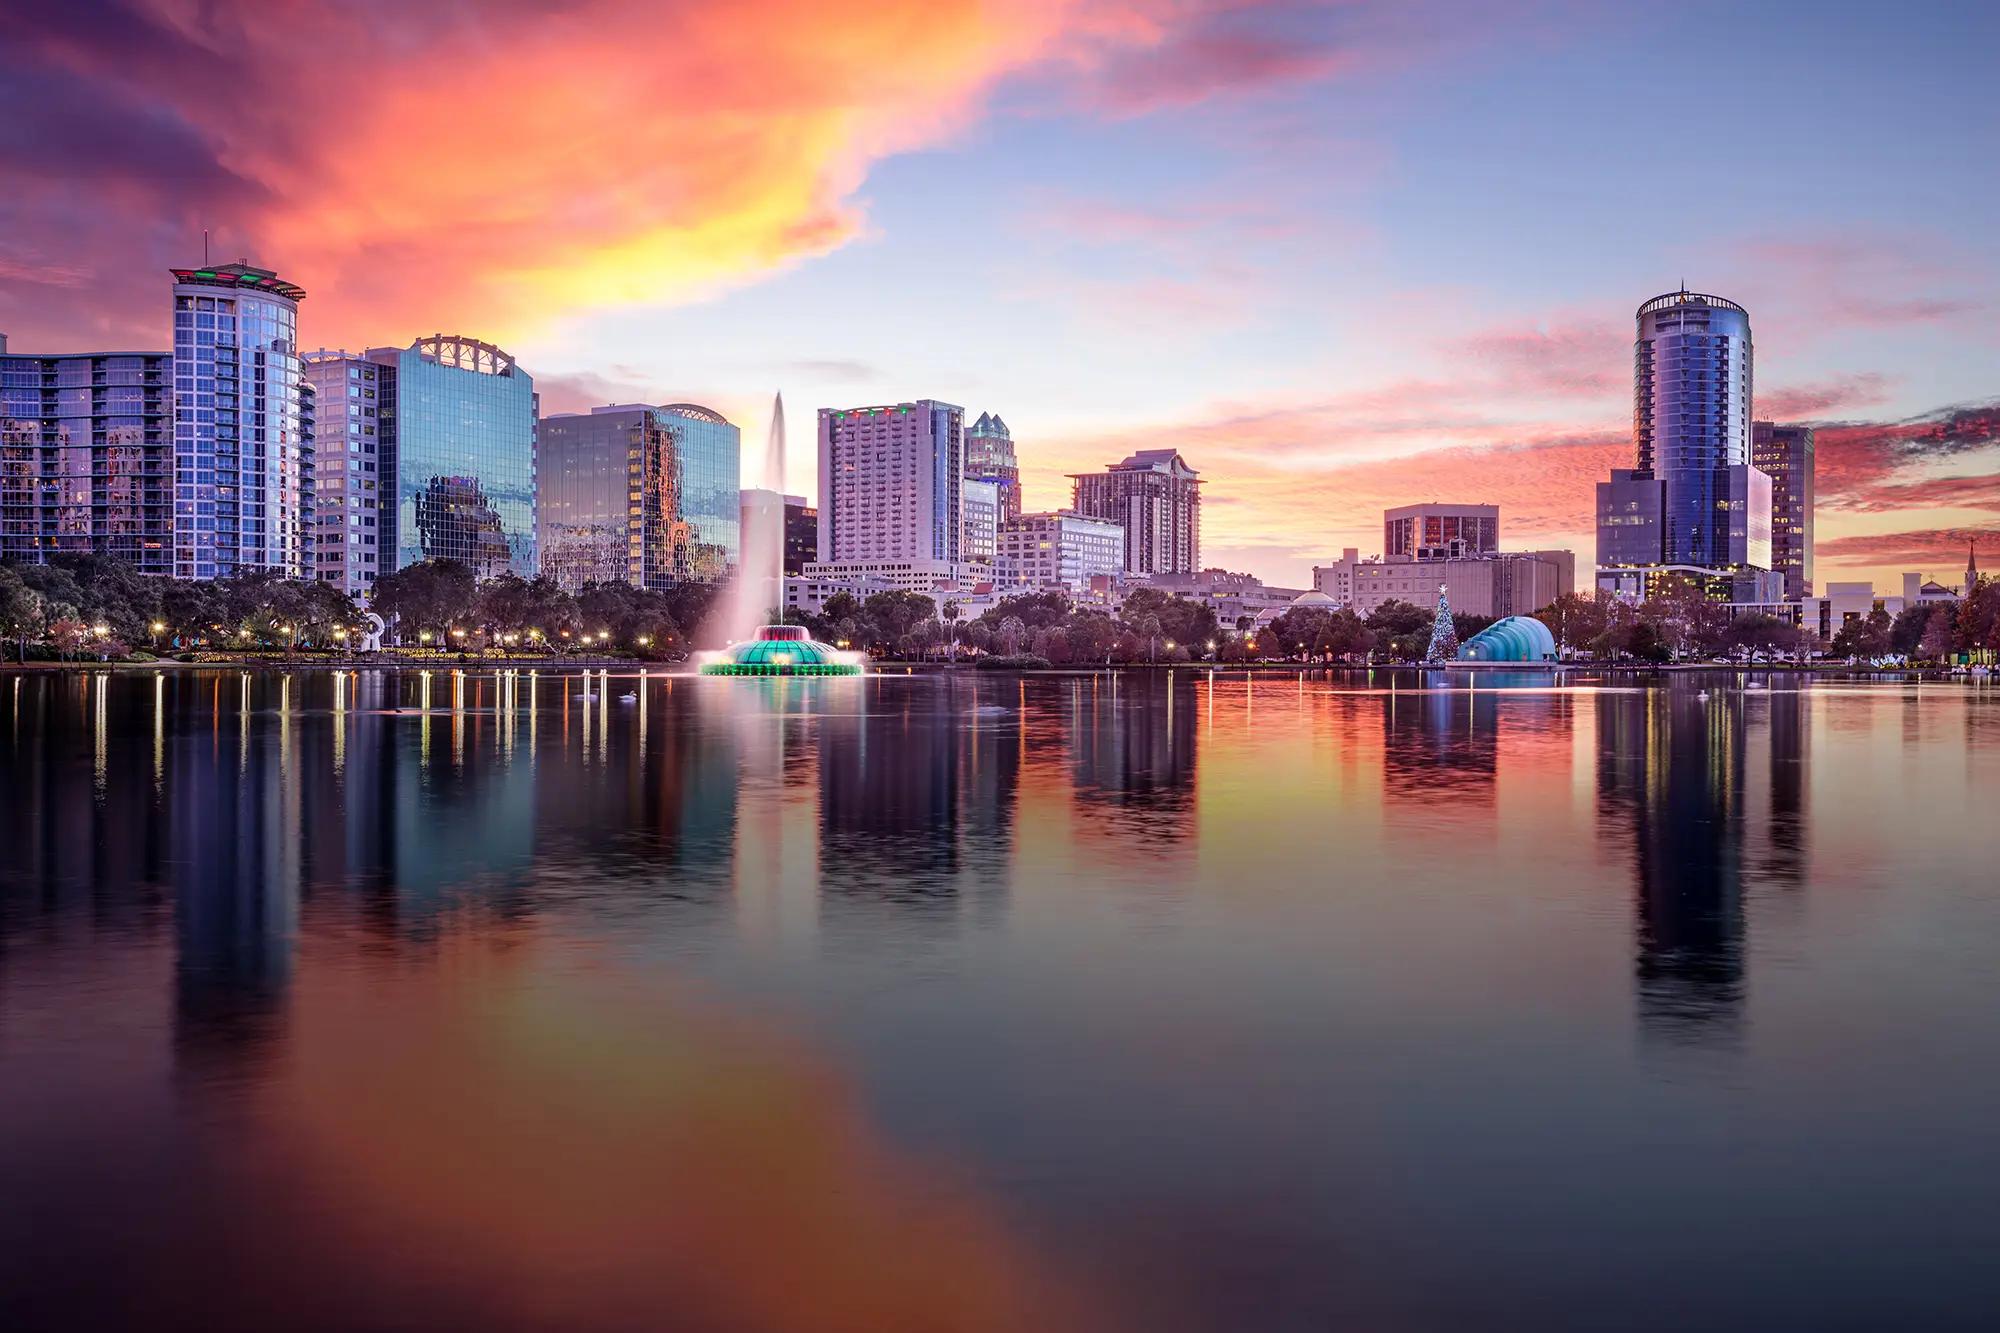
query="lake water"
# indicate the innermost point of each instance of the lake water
(933, 1002)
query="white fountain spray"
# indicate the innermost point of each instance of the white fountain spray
(759, 585)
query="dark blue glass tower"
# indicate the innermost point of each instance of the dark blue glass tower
(1695, 505)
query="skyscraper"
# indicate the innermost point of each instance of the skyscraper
(349, 480)
(1156, 498)
(87, 457)
(243, 468)
(1694, 486)
(1785, 454)
(891, 483)
(457, 452)
(989, 456)
(639, 494)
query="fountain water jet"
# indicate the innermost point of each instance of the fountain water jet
(760, 568)
(748, 645)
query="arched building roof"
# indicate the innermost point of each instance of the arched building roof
(1515, 639)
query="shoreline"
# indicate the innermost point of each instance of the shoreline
(1554, 670)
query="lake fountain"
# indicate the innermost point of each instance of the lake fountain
(757, 593)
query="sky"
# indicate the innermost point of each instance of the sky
(1341, 255)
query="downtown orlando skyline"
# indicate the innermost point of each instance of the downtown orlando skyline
(1343, 256)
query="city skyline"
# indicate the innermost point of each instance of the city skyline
(1116, 225)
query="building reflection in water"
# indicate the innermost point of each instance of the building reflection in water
(1709, 792)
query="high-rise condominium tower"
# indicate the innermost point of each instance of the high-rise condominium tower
(1694, 505)
(1785, 455)
(349, 480)
(1156, 497)
(891, 483)
(87, 457)
(243, 462)
(989, 456)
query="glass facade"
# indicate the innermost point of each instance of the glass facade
(1691, 422)
(639, 494)
(1439, 531)
(243, 465)
(457, 421)
(989, 456)
(980, 504)
(87, 457)
(704, 536)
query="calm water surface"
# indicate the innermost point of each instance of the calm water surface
(922, 1003)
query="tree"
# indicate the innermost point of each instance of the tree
(1443, 645)
(1576, 619)
(950, 613)
(1863, 636)
(1035, 610)
(1938, 640)
(20, 611)
(1148, 628)
(1907, 630)
(1759, 633)
(894, 614)
(429, 595)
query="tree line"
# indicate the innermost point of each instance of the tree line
(89, 606)
(76, 606)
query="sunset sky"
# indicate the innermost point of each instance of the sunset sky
(1341, 255)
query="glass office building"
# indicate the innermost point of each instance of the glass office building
(1695, 508)
(242, 461)
(1691, 424)
(87, 457)
(639, 494)
(456, 422)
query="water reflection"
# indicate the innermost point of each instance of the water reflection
(984, 1003)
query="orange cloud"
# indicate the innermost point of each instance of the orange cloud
(499, 166)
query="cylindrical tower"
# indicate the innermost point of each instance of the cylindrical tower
(1691, 423)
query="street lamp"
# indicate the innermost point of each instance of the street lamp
(424, 636)
(645, 640)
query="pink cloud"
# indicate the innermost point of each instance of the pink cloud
(1801, 401)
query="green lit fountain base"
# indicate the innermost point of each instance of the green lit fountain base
(780, 669)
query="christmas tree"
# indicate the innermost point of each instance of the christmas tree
(1444, 638)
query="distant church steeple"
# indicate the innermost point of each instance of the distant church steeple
(1971, 566)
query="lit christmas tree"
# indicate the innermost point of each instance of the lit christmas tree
(1444, 638)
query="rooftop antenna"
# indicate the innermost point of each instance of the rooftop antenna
(204, 247)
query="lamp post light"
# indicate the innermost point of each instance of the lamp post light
(424, 636)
